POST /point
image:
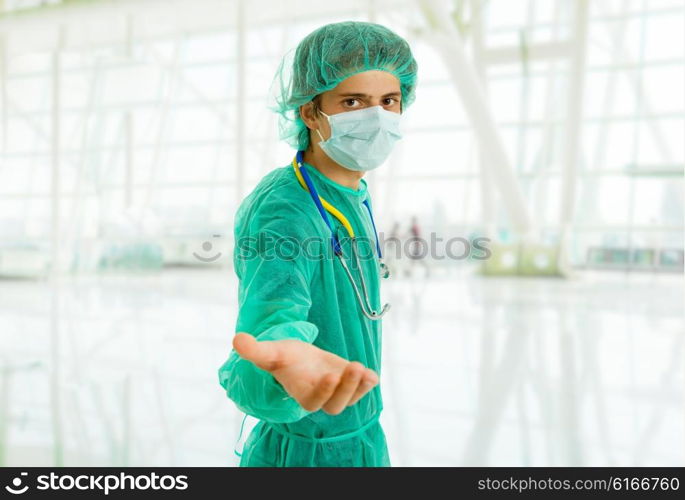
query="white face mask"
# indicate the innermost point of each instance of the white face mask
(361, 139)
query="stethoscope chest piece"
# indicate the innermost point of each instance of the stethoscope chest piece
(384, 269)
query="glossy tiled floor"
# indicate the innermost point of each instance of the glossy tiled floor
(121, 370)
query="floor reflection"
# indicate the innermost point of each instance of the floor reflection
(121, 370)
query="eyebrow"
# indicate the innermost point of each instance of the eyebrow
(366, 95)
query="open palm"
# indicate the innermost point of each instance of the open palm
(315, 378)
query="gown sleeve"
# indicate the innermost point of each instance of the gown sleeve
(274, 301)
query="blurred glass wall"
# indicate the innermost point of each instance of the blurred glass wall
(131, 130)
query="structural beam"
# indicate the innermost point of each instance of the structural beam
(574, 115)
(56, 255)
(241, 71)
(534, 52)
(486, 189)
(3, 92)
(445, 38)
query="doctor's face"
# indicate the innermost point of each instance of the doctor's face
(369, 88)
(359, 91)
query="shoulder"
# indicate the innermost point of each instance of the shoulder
(277, 203)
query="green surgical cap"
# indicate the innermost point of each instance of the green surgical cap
(329, 55)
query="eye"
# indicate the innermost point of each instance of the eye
(349, 101)
(391, 99)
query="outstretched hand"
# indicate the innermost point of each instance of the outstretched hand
(317, 379)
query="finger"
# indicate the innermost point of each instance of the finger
(371, 377)
(362, 390)
(369, 381)
(321, 393)
(346, 389)
(264, 354)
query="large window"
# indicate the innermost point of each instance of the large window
(150, 124)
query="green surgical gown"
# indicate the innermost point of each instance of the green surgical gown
(292, 287)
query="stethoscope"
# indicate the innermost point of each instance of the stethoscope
(323, 206)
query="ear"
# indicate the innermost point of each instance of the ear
(307, 115)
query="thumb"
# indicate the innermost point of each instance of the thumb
(264, 354)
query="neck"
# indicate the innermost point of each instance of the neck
(315, 156)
